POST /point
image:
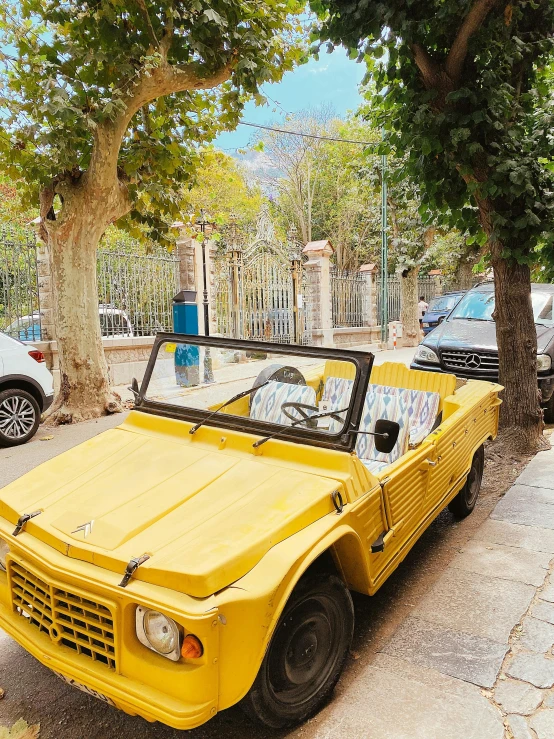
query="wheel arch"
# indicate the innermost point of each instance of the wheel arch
(332, 550)
(22, 382)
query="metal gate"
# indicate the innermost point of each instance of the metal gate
(260, 292)
(20, 315)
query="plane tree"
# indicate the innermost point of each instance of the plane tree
(461, 93)
(105, 105)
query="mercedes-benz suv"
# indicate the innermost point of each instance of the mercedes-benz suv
(465, 342)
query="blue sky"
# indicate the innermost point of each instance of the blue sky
(333, 79)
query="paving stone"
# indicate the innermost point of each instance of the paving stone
(549, 699)
(547, 594)
(538, 636)
(513, 535)
(475, 604)
(516, 697)
(539, 472)
(464, 656)
(543, 724)
(544, 611)
(519, 728)
(532, 668)
(526, 506)
(506, 562)
(402, 708)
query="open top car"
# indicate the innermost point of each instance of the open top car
(202, 554)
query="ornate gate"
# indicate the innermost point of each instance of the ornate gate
(260, 292)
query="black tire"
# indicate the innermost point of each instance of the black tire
(464, 503)
(19, 417)
(306, 654)
(549, 410)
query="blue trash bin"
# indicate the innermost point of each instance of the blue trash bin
(187, 356)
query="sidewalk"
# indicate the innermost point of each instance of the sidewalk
(474, 659)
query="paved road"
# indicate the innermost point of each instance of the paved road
(424, 648)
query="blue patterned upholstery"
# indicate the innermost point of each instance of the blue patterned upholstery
(337, 392)
(382, 405)
(267, 402)
(423, 408)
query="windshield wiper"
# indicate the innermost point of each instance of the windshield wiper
(470, 318)
(258, 443)
(195, 428)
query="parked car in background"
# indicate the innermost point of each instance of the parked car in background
(439, 308)
(465, 342)
(26, 390)
(113, 322)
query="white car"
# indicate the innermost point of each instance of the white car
(113, 322)
(26, 390)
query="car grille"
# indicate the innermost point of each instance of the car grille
(471, 362)
(68, 618)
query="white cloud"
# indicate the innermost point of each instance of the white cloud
(318, 70)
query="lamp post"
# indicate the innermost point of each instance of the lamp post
(203, 224)
(296, 269)
(384, 253)
(235, 252)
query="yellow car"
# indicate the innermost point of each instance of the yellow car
(203, 553)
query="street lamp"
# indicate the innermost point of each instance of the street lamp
(235, 252)
(205, 228)
(295, 257)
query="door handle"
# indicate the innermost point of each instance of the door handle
(424, 466)
(383, 539)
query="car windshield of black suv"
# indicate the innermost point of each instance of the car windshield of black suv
(479, 306)
(274, 387)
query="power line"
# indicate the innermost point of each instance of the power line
(307, 135)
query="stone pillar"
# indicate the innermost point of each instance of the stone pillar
(318, 275)
(184, 251)
(45, 296)
(191, 275)
(369, 303)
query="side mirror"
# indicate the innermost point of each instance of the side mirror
(134, 388)
(386, 435)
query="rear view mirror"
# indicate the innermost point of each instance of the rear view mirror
(134, 388)
(386, 435)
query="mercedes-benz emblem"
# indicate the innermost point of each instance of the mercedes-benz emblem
(473, 361)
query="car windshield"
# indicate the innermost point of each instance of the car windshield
(274, 387)
(443, 303)
(479, 306)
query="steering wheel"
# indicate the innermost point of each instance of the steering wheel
(302, 407)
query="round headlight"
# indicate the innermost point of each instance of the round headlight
(424, 354)
(162, 632)
(544, 363)
(4, 549)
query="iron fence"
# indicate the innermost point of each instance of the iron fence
(135, 292)
(19, 294)
(347, 298)
(426, 286)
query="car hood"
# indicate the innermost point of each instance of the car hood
(477, 335)
(205, 516)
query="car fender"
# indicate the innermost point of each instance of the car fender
(250, 608)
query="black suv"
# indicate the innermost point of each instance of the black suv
(465, 342)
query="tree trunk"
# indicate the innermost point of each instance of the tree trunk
(409, 313)
(84, 382)
(516, 336)
(464, 277)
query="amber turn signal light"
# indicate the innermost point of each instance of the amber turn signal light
(192, 647)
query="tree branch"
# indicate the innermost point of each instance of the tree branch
(470, 25)
(429, 69)
(144, 12)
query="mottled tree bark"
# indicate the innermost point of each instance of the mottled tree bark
(409, 313)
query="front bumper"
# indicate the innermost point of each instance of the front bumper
(144, 683)
(545, 383)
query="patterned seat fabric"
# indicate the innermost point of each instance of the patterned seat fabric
(267, 402)
(382, 405)
(337, 392)
(423, 408)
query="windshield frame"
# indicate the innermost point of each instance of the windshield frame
(343, 441)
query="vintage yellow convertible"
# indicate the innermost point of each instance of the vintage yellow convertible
(203, 552)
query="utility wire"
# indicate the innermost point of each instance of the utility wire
(308, 135)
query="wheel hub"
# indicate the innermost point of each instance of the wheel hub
(17, 417)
